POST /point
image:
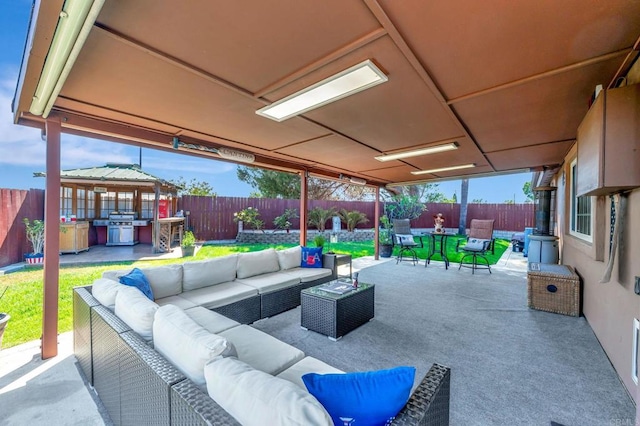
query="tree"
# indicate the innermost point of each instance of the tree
(318, 217)
(464, 194)
(425, 192)
(528, 192)
(274, 184)
(478, 201)
(509, 202)
(193, 187)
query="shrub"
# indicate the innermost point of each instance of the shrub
(249, 217)
(284, 220)
(188, 239)
(352, 218)
(404, 207)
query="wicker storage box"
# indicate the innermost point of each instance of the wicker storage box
(553, 288)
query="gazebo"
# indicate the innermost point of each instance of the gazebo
(94, 194)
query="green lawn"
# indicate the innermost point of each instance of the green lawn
(23, 300)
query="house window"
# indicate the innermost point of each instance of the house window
(148, 201)
(107, 203)
(581, 209)
(125, 201)
(66, 201)
(91, 204)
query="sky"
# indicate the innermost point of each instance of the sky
(22, 151)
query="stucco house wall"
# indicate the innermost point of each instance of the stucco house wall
(610, 308)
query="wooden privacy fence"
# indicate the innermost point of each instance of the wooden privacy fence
(16, 204)
(211, 218)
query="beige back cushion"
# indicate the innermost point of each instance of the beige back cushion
(257, 263)
(289, 258)
(256, 398)
(186, 344)
(209, 272)
(165, 281)
(481, 228)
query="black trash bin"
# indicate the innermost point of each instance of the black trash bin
(517, 241)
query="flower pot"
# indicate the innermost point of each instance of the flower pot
(386, 250)
(188, 251)
(34, 258)
(4, 319)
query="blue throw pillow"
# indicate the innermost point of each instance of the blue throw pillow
(136, 279)
(367, 398)
(311, 257)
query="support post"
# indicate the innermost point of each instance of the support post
(303, 207)
(49, 346)
(376, 231)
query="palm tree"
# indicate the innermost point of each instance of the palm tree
(318, 217)
(352, 218)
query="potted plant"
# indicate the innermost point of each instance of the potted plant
(385, 240)
(319, 240)
(4, 319)
(35, 235)
(188, 244)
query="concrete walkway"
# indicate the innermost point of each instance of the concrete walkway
(52, 392)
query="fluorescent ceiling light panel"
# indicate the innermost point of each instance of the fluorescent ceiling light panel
(418, 152)
(444, 169)
(346, 83)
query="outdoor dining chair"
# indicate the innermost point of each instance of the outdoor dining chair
(478, 243)
(403, 238)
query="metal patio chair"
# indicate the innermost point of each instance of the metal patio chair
(404, 238)
(478, 243)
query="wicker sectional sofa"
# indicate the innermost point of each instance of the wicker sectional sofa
(138, 385)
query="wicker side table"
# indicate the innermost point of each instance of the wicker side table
(335, 315)
(553, 288)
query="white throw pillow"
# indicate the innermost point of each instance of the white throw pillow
(257, 263)
(186, 344)
(289, 258)
(105, 290)
(257, 398)
(136, 310)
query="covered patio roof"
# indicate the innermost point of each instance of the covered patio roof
(505, 84)
(508, 82)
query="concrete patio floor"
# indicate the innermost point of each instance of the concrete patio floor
(53, 392)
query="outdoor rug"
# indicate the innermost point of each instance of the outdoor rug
(510, 365)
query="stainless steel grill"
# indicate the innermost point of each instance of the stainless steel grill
(120, 231)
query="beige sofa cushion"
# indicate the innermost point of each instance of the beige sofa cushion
(209, 272)
(256, 263)
(105, 290)
(136, 310)
(289, 258)
(308, 274)
(262, 351)
(219, 294)
(165, 280)
(178, 301)
(256, 399)
(185, 344)
(272, 281)
(211, 321)
(308, 364)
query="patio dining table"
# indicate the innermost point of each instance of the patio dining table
(439, 240)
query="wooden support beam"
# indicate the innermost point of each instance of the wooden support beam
(49, 346)
(304, 177)
(376, 228)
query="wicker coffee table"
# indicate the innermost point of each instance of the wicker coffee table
(335, 315)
